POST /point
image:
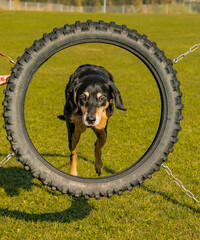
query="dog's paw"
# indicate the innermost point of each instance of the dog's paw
(73, 172)
(99, 168)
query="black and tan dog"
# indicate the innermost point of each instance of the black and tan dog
(89, 103)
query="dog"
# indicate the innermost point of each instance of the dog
(89, 98)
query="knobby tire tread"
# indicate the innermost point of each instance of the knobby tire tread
(79, 33)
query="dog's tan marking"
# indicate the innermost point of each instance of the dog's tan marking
(73, 157)
(84, 110)
(77, 120)
(73, 163)
(87, 94)
(104, 116)
(99, 95)
(101, 139)
(79, 128)
(74, 96)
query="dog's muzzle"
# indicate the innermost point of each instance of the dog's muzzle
(91, 120)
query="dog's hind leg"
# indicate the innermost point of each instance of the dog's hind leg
(73, 137)
(101, 139)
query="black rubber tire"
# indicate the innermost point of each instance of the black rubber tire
(93, 32)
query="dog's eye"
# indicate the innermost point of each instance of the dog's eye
(102, 98)
(82, 97)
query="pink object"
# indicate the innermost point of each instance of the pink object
(3, 79)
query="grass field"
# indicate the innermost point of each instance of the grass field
(156, 210)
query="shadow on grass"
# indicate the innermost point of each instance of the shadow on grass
(78, 210)
(106, 169)
(12, 179)
(169, 199)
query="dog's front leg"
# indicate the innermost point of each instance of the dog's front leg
(101, 139)
(74, 137)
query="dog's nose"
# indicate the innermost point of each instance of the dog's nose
(90, 119)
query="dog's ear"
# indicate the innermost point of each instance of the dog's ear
(115, 93)
(71, 95)
(117, 97)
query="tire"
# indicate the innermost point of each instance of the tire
(93, 32)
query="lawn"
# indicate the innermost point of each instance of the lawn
(156, 210)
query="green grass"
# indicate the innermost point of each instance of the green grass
(157, 210)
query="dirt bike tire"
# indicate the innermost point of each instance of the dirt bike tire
(93, 32)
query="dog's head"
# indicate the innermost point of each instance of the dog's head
(91, 94)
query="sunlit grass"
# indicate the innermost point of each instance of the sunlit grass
(158, 210)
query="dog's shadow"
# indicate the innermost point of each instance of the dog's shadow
(78, 210)
(13, 179)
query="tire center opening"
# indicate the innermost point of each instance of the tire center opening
(129, 133)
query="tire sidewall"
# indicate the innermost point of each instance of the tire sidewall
(66, 183)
